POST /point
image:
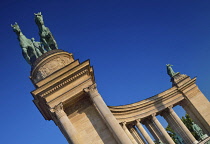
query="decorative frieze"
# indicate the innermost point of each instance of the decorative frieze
(64, 83)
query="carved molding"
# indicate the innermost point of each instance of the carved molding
(66, 82)
(91, 88)
(170, 109)
(59, 111)
(124, 125)
(180, 77)
(39, 59)
(50, 67)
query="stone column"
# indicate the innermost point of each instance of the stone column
(178, 126)
(128, 133)
(197, 103)
(153, 130)
(136, 135)
(194, 115)
(143, 132)
(66, 126)
(162, 130)
(109, 118)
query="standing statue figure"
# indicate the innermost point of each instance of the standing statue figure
(197, 130)
(28, 50)
(38, 47)
(46, 36)
(170, 71)
(178, 139)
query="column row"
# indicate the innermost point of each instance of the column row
(157, 130)
(128, 133)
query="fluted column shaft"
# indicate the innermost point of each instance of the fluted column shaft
(66, 126)
(128, 133)
(178, 126)
(162, 130)
(109, 118)
(137, 136)
(153, 130)
(143, 132)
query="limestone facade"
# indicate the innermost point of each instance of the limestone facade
(66, 93)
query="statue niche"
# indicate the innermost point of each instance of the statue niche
(46, 36)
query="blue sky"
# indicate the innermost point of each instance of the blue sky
(128, 43)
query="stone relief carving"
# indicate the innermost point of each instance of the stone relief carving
(65, 82)
(91, 88)
(50, 67)
(59, 111)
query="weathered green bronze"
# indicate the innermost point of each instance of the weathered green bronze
(198, 131)
(38, 47)
(160, 142)
(29, 52)
(46, 36)
(170, 71)
(178, 139)
(32, 49)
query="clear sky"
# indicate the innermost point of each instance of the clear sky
(128, 43)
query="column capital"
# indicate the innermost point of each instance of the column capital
(58, 110)
(137, 121)
(167, 110)
(153, 116)
(170, 109)
(91, 88)
(123, 123)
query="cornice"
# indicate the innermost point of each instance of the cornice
(62, 78)
(155, 104)
(64, 83)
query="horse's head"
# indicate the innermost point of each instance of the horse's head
(169, 65)
(39, 18)
(16, 28)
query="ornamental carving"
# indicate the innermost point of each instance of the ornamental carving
(59, 111)
(51, 66)
(91, 88)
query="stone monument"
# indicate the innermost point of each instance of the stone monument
(66, 92)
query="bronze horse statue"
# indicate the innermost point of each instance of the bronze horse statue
(46, 36)
(29, 52)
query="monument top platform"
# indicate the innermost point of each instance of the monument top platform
(49, 63)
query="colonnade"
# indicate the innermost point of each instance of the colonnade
(131, 132)
(157, 130)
